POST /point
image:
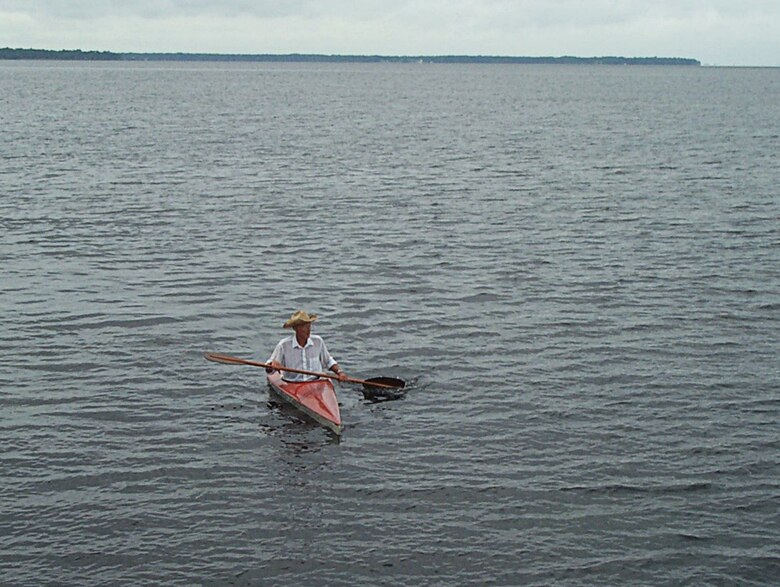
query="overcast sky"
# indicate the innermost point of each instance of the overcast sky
(717, 32)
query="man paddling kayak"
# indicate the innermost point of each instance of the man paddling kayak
(303, 350)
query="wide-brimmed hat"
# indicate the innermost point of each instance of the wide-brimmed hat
(300, 317)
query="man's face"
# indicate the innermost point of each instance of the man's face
(303, 330)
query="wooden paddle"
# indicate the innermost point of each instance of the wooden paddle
(220, 358)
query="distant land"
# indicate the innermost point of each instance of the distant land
(79, 55)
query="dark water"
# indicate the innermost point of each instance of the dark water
(576, 268)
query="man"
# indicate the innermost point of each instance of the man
(303, 350)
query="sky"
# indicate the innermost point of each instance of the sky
(717, 32)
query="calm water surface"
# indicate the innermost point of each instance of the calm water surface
(576, 268)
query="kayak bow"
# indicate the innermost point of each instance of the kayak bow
(317, 399)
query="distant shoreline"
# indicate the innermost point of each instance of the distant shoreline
(79, 55)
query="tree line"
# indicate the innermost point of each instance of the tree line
(79, 55)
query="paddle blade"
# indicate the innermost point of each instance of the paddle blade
(386, 382)
(228, 360)
(218, 358)
(379, 389)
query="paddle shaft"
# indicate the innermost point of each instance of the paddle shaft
(219, 358)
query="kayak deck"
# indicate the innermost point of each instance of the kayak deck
(317, 399)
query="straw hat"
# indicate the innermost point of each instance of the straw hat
(300, 317)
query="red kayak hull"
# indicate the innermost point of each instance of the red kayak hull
(317, 399)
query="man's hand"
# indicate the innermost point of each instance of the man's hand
(339, 373)
(275, 366)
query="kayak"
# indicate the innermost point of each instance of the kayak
(316, 399)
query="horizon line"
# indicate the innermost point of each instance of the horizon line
(16, 53)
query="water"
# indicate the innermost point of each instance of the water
(575, 268)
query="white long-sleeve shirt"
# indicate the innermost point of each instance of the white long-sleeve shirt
(314, 356)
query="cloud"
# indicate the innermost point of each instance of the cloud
(85, 10)
(530, 12)
(160, 9)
